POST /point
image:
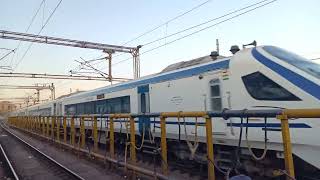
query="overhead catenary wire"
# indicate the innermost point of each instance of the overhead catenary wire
(205, 28)
(6, 49)
(203, 23)
(44, 25)
(165, 23)
(12, 51)
(151, 30)
(255, 6)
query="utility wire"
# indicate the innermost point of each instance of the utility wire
(165, 23)
(31, 22)
(46, 22)
(157, 27)
(6, 49)
(205, 28)
(12, 51)
(152, 30)
(206, 22)
(195, 26)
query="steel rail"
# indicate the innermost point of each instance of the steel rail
(13, 171)
(70, 172)
(104, 158)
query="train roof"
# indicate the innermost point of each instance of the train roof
(193, 62)
(194, 68)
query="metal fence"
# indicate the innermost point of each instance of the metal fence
(55, 127)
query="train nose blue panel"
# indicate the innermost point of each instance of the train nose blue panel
(144, 106)
(144, 124)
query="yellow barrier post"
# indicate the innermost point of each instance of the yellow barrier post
(48, 126)
(82, 132)
(36, 123)
(288, 160)
(65, 129)
(30, 123)
(33, 124)
(72, 130)
(111, 137)
(133, 155)
(53, 119)
(25, 123)
(39, 125)
(95, 134)
(43, 125)
(164, 164)
(211, 175)
(58, 128)
(21, 123)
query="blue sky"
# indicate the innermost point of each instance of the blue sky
(290, 24)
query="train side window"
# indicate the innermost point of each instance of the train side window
(125, 104)
(215, 95)
(261, 87)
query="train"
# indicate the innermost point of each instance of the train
(259, 77)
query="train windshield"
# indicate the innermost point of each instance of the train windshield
(295, 60)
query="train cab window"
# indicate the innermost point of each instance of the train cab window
(261, 87)
(215, 95)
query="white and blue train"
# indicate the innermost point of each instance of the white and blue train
(264, 77)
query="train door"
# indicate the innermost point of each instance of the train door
(216, 104)
(144, 107)
(215, 95)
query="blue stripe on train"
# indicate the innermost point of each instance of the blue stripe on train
(255, 125)
(270, 125)
(298, 80)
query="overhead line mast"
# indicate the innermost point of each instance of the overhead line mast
(106, 48)
(37, 87)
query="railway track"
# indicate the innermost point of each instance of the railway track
(8, 171)
(30, 162)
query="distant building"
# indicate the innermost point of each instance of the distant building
(7, 106)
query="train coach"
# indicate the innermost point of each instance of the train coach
(252, 78)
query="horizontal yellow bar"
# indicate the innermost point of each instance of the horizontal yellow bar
(302, 113)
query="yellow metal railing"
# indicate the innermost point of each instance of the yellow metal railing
(47, 125)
